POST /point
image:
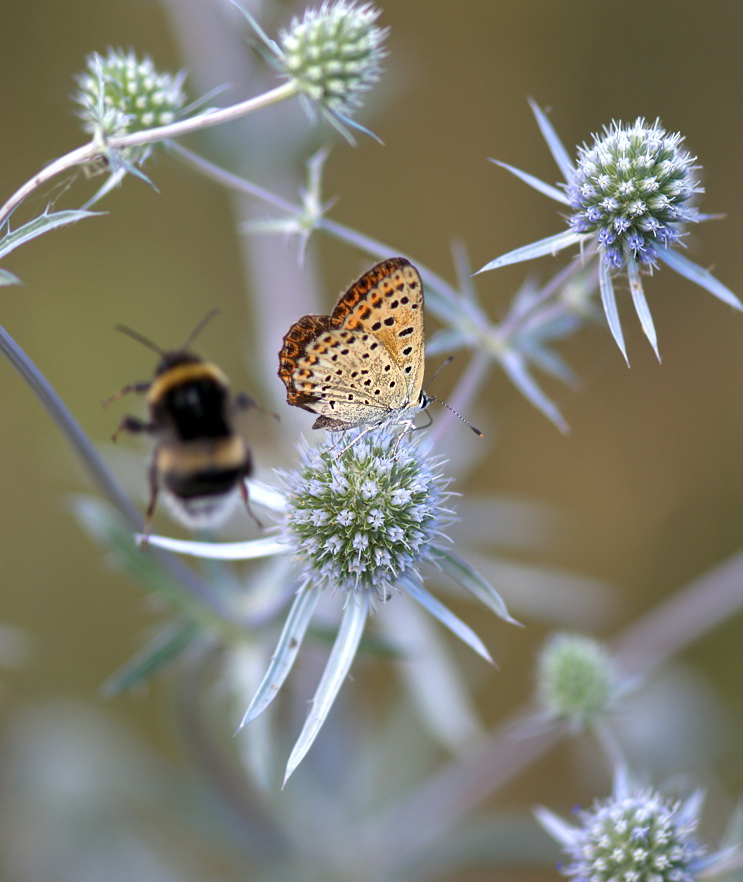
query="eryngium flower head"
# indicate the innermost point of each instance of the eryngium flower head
(332, 55)
(576, 678)
(636, 834)
(631, 194)
(365, 519)
(120, 94)
(633, 190)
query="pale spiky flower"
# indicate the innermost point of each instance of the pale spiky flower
(331, 56)
(633, 190)
(637, 835)
(632, 194)
(333, 53)
(364, 520)
(120, 94)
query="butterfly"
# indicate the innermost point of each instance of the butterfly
(361, 366)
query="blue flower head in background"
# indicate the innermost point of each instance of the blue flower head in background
(632, 190)
(631, 193)
(637, 834)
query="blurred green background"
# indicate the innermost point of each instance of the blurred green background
(649, 476)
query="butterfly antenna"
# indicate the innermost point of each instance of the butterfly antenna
(458, 415)
(140, 338)
(438, 370)
(200, 327)
(450, 409)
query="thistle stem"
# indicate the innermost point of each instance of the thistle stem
(96, 148)
(375, 247)
(94, 463)
(453, 791)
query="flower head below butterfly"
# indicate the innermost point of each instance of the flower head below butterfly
(361, 367)
(366, 524)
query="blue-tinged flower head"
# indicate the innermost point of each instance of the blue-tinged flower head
(333, 55)
(641, 836)
(637, 834)
(577, 680)
(631, 194)
(363, 518)
(366, 518)
(632, 190)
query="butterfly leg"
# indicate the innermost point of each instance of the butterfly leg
(366, 431)
(351, 442)
(407, 426)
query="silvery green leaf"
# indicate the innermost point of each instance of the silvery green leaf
(159, 652)
(447, 341)
(446, 617)
(553, 364)
(113, 180)
(7, 278)
(473, 582)
(266, 496)
(434, 681)
(253, 548)
(36, 227)
(103, 524)
(536, 183)
(641, 305)
(550, 245)
(610, 307)
(700, 276)
(515, 366)
(285, 653)
(557, 828)
(558, 151)
(339, 663)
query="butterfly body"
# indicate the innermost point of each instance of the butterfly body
(361, 366)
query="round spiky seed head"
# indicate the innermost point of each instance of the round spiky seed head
(333, 55)
(362, 520)
(576, 678)
(632, 190)
(119, 94)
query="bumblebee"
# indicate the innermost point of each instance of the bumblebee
(199, 462)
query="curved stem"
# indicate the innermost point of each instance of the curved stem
(375, 247)
(94, 463)
(90, 151)
(609, 745)
(70, 428)
(453, 791)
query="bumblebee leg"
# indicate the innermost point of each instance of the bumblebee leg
(150, 514)
(131, 424)
(244, 494)
(142, 386)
